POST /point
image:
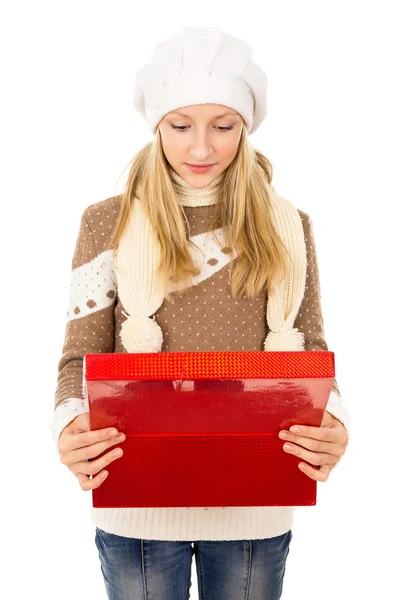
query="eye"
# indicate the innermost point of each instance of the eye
(184, 128)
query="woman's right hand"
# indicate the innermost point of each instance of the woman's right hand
(77, 444)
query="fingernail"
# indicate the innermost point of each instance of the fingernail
(295, 429)
(112, 432)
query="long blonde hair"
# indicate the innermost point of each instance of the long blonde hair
(242, 210)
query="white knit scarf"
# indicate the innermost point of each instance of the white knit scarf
(141, 295)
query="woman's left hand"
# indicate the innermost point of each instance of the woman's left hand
(324, 446)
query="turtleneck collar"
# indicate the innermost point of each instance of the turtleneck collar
(188, 195)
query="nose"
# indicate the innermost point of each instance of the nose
(201, 146)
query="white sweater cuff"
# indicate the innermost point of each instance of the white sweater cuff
(336, 408)
(64, 414)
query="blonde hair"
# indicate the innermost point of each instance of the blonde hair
(242, 210)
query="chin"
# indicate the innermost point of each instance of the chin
(199, 180)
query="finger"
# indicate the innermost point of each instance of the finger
(315, 458)
(326, 434)
(90, 484)
(91, 468)
(320, 474)
(90, 452)
(73, 441)
(311, 444)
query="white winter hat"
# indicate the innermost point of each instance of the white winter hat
(201, 65)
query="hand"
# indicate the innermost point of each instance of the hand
(326, 445)
(77, 445)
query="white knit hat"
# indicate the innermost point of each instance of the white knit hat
(201, 65)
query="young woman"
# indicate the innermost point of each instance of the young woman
(193, 258)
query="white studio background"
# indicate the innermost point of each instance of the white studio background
(68, 130)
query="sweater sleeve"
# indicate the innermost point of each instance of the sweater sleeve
(89, 326)
(310, 319)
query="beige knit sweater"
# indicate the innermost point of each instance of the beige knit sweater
(207, 318)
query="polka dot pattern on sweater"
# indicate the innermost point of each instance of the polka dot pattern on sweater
(204, 317)
(92, 286)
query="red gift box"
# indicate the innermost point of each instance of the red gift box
(202, 427)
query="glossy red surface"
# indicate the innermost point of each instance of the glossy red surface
(202, 427)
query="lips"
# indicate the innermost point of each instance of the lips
(201, 169)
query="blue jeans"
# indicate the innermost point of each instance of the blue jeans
(136, 569)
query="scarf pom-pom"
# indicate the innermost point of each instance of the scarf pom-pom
(288, 341)
(141, 334)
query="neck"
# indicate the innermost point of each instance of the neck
(188, 195)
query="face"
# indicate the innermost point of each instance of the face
(201, 134)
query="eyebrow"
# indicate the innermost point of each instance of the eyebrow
(189, 117)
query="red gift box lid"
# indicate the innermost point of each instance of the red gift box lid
(202, 427)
